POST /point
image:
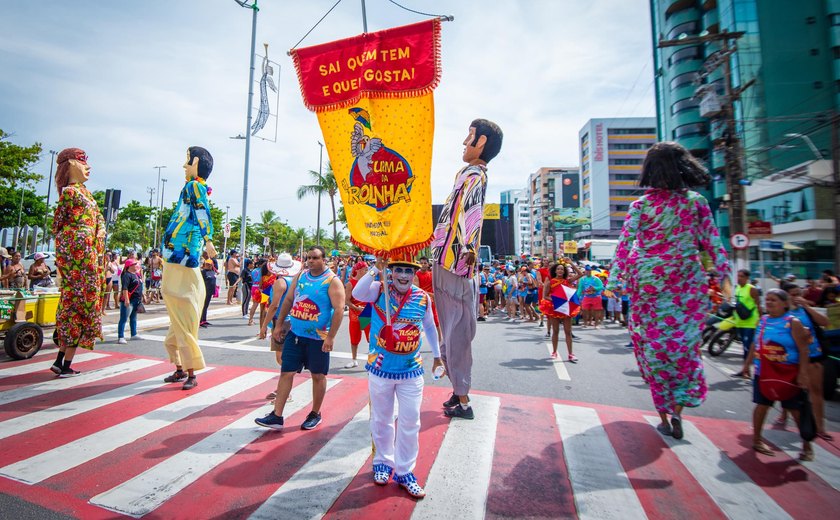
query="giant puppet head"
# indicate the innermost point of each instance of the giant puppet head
(72, 168)
(403, 268)
(199, 163)
(483, 142)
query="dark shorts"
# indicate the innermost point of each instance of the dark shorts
(300, 353)
(232, 278)
(531, 298)
(625, 307)
(791, 404)
(491, 293)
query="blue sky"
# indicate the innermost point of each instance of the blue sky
(135, 83)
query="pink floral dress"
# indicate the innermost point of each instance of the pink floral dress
(79, 231)
(658, 256)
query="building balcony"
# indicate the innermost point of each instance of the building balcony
(687, 117)
(695, 142)
(711, 22)
(675, 6)
(677, 19)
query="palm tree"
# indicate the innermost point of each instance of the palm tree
(323, 185)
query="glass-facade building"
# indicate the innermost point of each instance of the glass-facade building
(790, 51)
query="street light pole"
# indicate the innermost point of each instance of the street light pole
(320, 181)
(160, 208)
(254, 10)
(160, 201)
(49, 184)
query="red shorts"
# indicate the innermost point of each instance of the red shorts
(591, 303)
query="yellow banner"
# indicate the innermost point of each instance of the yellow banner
(570, 247)
(492, 212)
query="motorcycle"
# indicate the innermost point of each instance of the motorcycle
(720, 332)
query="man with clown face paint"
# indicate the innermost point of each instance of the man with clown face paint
(395, 368)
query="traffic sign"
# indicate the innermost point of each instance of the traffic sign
(771, 245)
(227, 230)
(265, 241)
(739, 241)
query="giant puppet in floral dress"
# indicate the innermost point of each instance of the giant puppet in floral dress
(79, 231)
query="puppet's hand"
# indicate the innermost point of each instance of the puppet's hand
(211, 250)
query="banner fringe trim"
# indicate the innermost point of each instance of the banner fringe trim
(410, 249)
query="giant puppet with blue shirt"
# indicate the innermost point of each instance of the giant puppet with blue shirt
(188, 234)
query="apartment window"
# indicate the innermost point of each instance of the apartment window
(628, 146)
(626, 193)
(683, 105)
(629, 131)
(686, 78)
(689, 28)
(624, 176)
(626, 162)
(689, 130)
(685, 54)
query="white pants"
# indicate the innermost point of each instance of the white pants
(396, 447)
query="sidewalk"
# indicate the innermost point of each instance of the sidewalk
(156, 316)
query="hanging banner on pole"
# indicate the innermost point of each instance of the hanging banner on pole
(373, 97)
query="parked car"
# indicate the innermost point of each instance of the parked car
(28, 260)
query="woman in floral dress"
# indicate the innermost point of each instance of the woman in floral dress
(658, 256)
(79, 231)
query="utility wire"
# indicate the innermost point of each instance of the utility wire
(448, 18)
(316, 24)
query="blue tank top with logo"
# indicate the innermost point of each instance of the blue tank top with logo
(776, 337)
(401, 359)
(312, 309)
(814, 349)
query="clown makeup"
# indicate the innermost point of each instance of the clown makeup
(403, 277)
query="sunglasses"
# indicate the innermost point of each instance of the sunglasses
(403, 270)
(81, 157)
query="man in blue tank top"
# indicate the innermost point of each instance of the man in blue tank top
(310, 301)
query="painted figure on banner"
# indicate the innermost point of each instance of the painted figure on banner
(188, 234)
(79, 231)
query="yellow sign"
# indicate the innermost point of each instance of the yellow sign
(492, 212)
(570, 247)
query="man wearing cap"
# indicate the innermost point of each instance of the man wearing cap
(395, 369)
(454, 247)
(312, 301)
(285, 269)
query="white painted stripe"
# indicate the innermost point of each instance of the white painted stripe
(55, 383)
(559, 365)
(146, 492)
(243, 347)
(59, 460)
(152, 323)
(731, 489)
(315, 487)
(825, 464)
(63, 411)
(601, 488)
(45, 365)
(459, 479)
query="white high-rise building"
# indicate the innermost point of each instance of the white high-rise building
(611, 155)
(521, 218)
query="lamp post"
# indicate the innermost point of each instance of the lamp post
(320, 180)
(47, 211)
(160, 201)
(254, 10)
(160, 208)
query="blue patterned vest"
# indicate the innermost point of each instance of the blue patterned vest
(312, 309)
(399, 358)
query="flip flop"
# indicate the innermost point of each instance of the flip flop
(763, 449)
(825, 436)
(806, 456)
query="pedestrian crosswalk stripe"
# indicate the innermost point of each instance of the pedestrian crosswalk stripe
(59, 460)
(559, 365)
(460, 476)
(731, 489)
(601, 488)
(147, 491)
(825, 464)
(314, 488)
(30, 391)
(40, 366)
(39, 418)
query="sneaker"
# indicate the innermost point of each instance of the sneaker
(122, 341)
(460, 412)
(452, 401)
(55, 368)
(68, 372)
(409, 483)
(312, 420)
(482, 318)
(573, 358)
(382, 474)
(275, 422)
(575, 337)
(352, 364)
(554, 355)
(135, 337)
(176, 377)
(204, 324)
(629, 345)
(190, 383)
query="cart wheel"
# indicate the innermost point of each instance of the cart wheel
(55, 337)
(23, 340)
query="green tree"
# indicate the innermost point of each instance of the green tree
(33, 210)
(323, 185)
(126, 234)
(16, 179)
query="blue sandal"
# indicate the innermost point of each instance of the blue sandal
(382, 474)
(409, 482)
